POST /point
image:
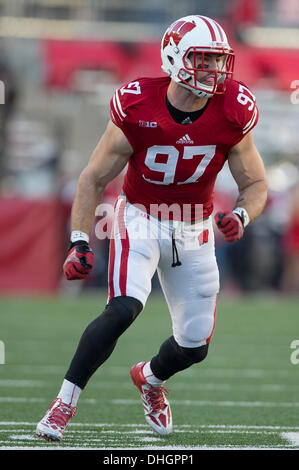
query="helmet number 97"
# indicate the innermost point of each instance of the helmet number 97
(246, 97)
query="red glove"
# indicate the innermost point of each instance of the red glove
(79, 261)
(230, 224)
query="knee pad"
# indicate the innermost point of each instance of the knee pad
(195, 354)
(193, 322)
(173, 358)
(190, 355)
(122, 310)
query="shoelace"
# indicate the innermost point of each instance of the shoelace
(155, 396)
(61, 414)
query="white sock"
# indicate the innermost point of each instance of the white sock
(149, 376)
(69, 393)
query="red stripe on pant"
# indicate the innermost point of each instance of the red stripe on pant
(210, 337)
(112, 258)
(111, 265)
(125, 248)
(125, 244)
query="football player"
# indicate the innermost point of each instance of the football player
(174, 133)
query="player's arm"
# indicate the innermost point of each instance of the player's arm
(107, 161)
(248, 171)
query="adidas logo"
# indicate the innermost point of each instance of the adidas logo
(185, 140)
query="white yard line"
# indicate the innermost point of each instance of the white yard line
(22, 435)
(21, 400)
(249, 404)
(223, 387)
(11, 383)
(145, 426)
(149, 432)
(22, 383)
(88, 401)
(125, 402)
(122, 371)
(292, 437)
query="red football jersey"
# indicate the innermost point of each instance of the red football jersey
(174, 163)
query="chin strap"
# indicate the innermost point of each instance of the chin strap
(199, 93)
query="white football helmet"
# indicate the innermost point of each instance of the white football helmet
(186, 49)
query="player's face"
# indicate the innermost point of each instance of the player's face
(207, 63)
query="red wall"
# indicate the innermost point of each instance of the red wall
(129, 60)
(31, 244)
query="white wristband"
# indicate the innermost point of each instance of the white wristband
(242, 213)
(76, 235)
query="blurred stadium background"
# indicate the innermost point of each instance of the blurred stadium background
(61, 60)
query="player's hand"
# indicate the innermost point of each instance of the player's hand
(79, 261)
(230, 224)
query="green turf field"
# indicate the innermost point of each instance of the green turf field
(244, 395)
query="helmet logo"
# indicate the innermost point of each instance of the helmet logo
(177, 32)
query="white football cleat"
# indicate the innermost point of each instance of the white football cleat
(156, 406)
(53, 424)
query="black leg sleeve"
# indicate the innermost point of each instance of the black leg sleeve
(173, 358)
(100, 337)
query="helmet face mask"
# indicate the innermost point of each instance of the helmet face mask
(198, 70)
(196, 55)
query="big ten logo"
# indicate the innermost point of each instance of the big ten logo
(2, 353)
(295, 94)
(295, 354)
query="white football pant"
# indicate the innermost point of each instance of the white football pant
(141, 244)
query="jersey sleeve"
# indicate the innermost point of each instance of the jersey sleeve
(241, 109)
(123, 105)
(117, 109)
